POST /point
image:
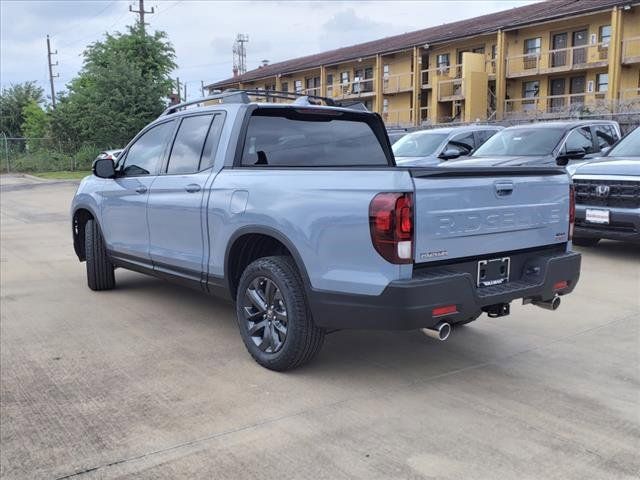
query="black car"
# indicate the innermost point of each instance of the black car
(608, 195)
(546, 143)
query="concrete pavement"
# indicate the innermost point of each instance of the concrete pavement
(151, 380)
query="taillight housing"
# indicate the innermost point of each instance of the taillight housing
(572, 210)
(391, 225)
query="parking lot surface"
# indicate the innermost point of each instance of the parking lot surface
(151, 380)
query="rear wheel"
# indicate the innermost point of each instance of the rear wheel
(273, 316)
(586, 241)
(99, 269)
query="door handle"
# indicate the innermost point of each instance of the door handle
(192, 188)
(141, 189)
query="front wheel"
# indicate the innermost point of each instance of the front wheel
(273, 316)
(100, 274)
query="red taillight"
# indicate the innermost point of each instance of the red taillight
(572, 210)
(391, 225)
(447, 310)
(560, 285)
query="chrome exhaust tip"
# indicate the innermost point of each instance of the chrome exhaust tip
(552, 304)
(440, 331)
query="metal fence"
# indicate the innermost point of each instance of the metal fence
(45, 154)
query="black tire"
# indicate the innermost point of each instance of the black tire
(99, 269)
(585, 241)
(284, 336)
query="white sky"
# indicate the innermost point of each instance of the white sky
(202, 32)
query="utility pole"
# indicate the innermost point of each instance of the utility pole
(178, 88)
(185, 91)
(51, 75)
(202, 87)
(141, 11)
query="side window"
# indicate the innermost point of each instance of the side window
(606, 136)
(484, 135)
(145, 155)
(211, 145)
(580, 139)
(188, 145)
(463, 142)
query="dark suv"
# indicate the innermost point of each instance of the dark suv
(608, 195)
(547, 143)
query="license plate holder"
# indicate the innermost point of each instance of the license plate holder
(494, 271)
(598, 216)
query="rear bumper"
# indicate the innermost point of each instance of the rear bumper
(624, 224)
(408, 304)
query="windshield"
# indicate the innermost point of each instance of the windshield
(419, 144)
(629, 146)
(521, 141)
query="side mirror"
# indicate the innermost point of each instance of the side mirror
(450, 153)
(574, 154)
(104, 168)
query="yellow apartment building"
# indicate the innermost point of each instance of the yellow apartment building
(545, 60)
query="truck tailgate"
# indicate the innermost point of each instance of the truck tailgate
(480, 212)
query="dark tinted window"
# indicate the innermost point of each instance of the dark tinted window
(580, 139)
(210, 146)
(188, 145)
(484, 135)
(144, 156)
(303, 139)
(463, 142)
(606, 135)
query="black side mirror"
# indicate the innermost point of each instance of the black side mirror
(104, 168)
(450, 153)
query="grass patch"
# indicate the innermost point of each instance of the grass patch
(63, 175)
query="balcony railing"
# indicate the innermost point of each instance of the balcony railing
(631, 50)
(559, 60)
(312, 91)
(558, 105)
(402, 82)
(398, 117)
(450, 90)
(354, 89)
(431, 75)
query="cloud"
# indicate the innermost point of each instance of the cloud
(347, 28)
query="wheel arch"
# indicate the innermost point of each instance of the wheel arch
(237, 256)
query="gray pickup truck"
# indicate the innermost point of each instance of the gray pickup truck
(298, 213)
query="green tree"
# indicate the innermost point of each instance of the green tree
(13, 100)
(35, 126)
(122, 86)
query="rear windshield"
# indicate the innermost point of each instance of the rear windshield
(419, 144)
(302, 139)
(521, 141)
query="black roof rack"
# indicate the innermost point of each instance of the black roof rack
(242, 96)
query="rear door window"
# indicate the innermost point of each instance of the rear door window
(187, 147)
(307, 139)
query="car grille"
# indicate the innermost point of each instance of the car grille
(608, 193)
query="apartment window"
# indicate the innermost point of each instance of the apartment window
(605, 34)
(297, 86)
(494, 51)
(285, 86)
(329, 80)
(308, 84)
(442, 61)
(369, 105)
(386, 70)
(602, 82)
(532, 46)
(344, 77)
(385, 105)
(530, 89)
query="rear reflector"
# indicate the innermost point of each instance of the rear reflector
(560, 285)
(447, 310)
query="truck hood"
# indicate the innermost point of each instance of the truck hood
(417, 161)
(505, 161)
(607, 166)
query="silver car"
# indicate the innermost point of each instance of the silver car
(430, 147)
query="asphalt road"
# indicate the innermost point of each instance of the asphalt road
(151, 380)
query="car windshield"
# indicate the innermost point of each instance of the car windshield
(419, 144)
(521, 141)
(629, 146)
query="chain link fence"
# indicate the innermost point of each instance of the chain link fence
(35, 155)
